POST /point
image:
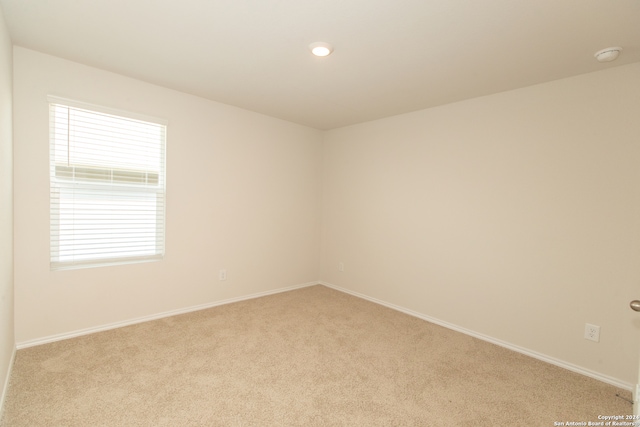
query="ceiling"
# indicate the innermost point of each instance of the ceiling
(390, 57)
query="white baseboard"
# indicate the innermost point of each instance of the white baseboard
(5, 388)
(557, 362)
(87, 331)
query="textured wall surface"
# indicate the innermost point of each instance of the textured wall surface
(515, 215)
(242, 195)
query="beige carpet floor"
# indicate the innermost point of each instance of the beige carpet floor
(309, 357)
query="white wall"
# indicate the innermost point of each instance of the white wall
(515, 215)
(7, 341)
(242, 194)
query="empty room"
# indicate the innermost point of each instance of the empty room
(319, 213)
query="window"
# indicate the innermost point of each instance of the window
(107, 183)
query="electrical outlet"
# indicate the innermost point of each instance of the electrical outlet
(592, 332)
(341, 266)
(222, 275)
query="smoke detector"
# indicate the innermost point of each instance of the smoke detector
(607, 55)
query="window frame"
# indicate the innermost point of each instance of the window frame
(100, 187)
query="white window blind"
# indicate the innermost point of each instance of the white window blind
(107, 180)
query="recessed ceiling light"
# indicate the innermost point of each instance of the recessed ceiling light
(321, 48)
(608, 54)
